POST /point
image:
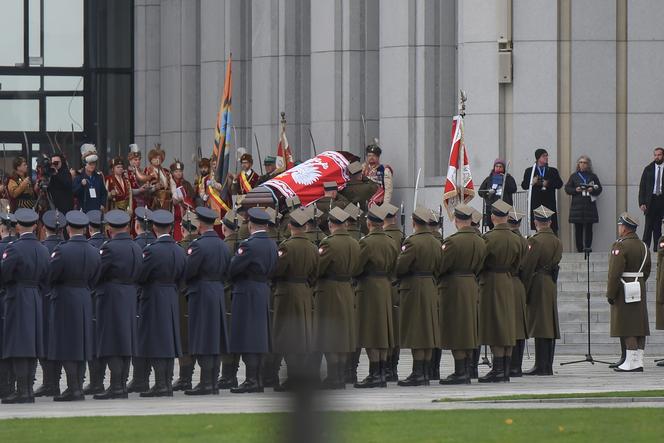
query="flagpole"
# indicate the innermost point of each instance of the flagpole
(462, 148)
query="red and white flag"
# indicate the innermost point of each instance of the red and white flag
(459, 186)
(284, 153)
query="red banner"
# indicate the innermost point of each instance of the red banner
(306, 179)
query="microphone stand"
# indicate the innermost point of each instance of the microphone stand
(589, 357)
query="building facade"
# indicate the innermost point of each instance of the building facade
(572, 76)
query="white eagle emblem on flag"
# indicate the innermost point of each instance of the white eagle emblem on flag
(305, 174)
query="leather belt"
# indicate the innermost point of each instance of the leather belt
(337, 278)
(295, 280)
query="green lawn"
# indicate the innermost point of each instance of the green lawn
(610, 394)
(576, 425)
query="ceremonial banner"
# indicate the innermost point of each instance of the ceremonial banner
(306, 179)
(284, 153)
(221, 200)
(459, 186)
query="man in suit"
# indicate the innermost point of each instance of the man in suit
(651, 198)
(544, 181)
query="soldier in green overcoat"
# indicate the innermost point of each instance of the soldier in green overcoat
(313, 231)
(435, 222)
(539, 273)
(271, 362)
(417, 268)
(521, 324)
(335, 318)
(378, 255)
(353, 227)
(292, 330)
(496, 323)
(462, 260)
(359, 190)
(629, 262)
(396, 235)
(331, 199)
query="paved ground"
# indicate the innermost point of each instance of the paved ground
(574, 378)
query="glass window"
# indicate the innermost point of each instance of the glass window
(63, 83)
(19, 83)
(19, 115)
(63, 33)
(34, 28)
(11, 32)
(62, 112)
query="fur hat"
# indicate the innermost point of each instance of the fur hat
(157, 152)
(89, 153)
(247, 157)
(177, 165)
(117, 161)
(134, 151)
(204, 163)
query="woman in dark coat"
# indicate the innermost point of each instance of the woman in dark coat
(492, 190)
(584, 187)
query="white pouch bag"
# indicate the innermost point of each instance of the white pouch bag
(632, 289)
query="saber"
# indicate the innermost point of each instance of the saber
(313, 143)
(364, 128)
(51, 143)
(403, 223)
(530, 194)
(502, 191)
(417, 186)
(258, 151)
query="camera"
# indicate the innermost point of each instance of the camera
(587, 189)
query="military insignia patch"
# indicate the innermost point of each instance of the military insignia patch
(403, 248)
(280, 252)
(661, 245)
(101, 252)
(615, 252)
(443, 247)
(4, 255)
(240, 251)
(189, 251)
(321, 251)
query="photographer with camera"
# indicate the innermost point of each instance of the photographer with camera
(59, 183)
(584, 187)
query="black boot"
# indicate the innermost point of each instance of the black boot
(497, 372)
(251, 383)
(50, 387)
(73, 391)
(474, 363)
(183, 382)
(550, 351)
(352, 362)
(623, 352)
(228, 378)
(7, 382)
(96, 385)
(267, 371)
(416, 378)
(460, 375)
(436, 355)
(204, 387)
(507, 364)
(117, 387)
(517, 359)
(539, 354)
(141, 380)
(337, 374)
(373, 379)
(391, 371)
(22, 394)
(160, 388)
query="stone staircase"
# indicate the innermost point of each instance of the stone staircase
(572, 288)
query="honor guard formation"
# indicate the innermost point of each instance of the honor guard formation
(142, 269)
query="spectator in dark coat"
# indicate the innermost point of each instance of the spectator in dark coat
(651, 197)
(584, 187)
(60, 185)
(491, 189)
(542, 181)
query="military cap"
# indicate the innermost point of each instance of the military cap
(542, 213)
(247, 158)
(337, 216)
(353, 211)
(299, 217)
(514, 217)
(500, 209)
(230, 220)
(117, 218)
(6, 219)
(421, 215)
(628, 220)
(330, 186)
(273, 215)
(54, 219)
(270, 160)
(162, 217)
(374, 149)
(476, 217)
(191, 223)
(142, 213)
(376, 214)
(463, 212)
(95, 217)
(390, 210)
(77, 219)
(293, 202)
(354, 168)
(259, 216)
(26, 217)
(206, 215)
(434, 218)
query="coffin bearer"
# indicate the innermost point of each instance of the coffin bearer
(417, 268)
(207, 264)
(462, 260)
(540, 273)
(24, 268)
(629, 269)
(378, 255)
(250, 268)
(521, 324)
(75, 266)
(496, 323)
(293, 302)
(121, 265)
(159, 317)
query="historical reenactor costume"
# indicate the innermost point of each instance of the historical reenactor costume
(89, 185)
(253, 263)
(417, 270)
(294, 277)
(629, 269)
(205, 272)
(158, 323)
(160, 180)
(378, 255)
(137, 180)
(396, 236)
(496, 322)
(462, 261)
(379, 174)
(247, 179)
(270, 164)
(74, 270)
(24, 269)
(542, 181)
(520, 322)
(119, 187)
(20, 187)
(183, 197)
(116, 293)
(200, 182)
(54, 222)
(7, 380)
(335, 298)
(540, 273)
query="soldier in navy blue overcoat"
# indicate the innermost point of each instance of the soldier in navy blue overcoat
(7, 380)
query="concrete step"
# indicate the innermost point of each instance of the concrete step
(599, 337)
